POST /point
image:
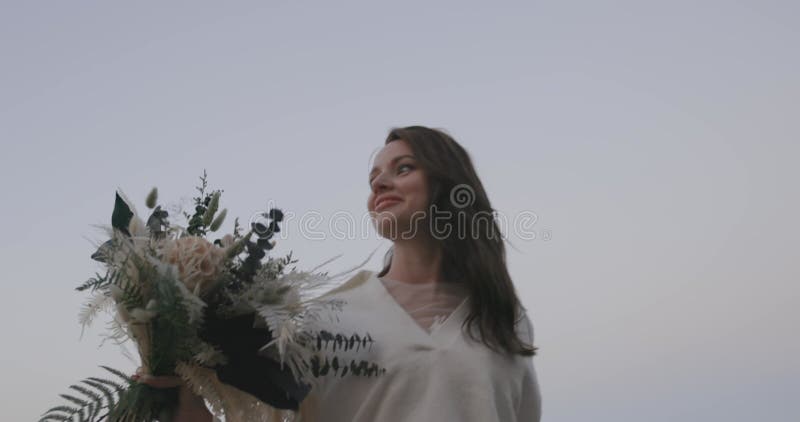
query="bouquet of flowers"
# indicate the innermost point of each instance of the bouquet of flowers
(232, 325)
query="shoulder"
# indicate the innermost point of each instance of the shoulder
(524, 325)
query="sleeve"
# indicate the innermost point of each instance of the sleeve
(530, 404)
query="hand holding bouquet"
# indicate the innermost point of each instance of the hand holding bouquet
(231, 325)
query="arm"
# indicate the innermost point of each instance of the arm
(191, 407)
(530, 406)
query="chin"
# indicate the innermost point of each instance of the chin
(391, 226)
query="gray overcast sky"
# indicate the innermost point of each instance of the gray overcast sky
(655, 141)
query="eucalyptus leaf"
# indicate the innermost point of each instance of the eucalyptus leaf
(265, 244)
(259, 229)
(273, 226)
(275, 214)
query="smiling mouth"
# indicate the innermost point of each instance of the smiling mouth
(385, 203)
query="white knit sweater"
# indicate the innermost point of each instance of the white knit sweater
(436, 375)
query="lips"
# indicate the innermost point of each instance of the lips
(384, 201)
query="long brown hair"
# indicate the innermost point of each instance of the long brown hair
(473, 257)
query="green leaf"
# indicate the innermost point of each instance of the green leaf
(56, 417)
(53, 414)
(107, 393)
(116, 386)
(74, 399)
(62, 408)
(122, 215)
(117, 373)
(88, 393)
(91, 401)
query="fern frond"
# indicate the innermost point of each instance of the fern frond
(97, 303)
(208, 355)
(73, 399)
(62, 408)
(85, 411)
(92, 283)
(117, 331)
(59, 413)
(131, 295)
(56, 417)
(141, 402)
(174, 330)
(116, 386)
(103, 389)
(97, 398)
(94, 410)
(118, 373)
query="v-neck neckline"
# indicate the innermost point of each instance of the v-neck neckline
(438, 332)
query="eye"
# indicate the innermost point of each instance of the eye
(411, 167)
(405, 165)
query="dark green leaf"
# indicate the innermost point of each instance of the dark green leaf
(122, 215)
(117, 373)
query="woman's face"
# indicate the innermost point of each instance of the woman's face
(398, 196)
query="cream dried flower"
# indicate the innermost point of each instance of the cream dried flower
(198, 261)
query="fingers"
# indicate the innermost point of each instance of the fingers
(157, 381)
(161, 381)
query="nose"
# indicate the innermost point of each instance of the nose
(380, 183)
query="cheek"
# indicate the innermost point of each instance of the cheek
(419, 204)
(422, 191)
(419, 191)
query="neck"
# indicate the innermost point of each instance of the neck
(416, 260)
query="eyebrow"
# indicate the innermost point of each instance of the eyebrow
(395, 159)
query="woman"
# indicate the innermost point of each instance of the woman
(447, 326)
